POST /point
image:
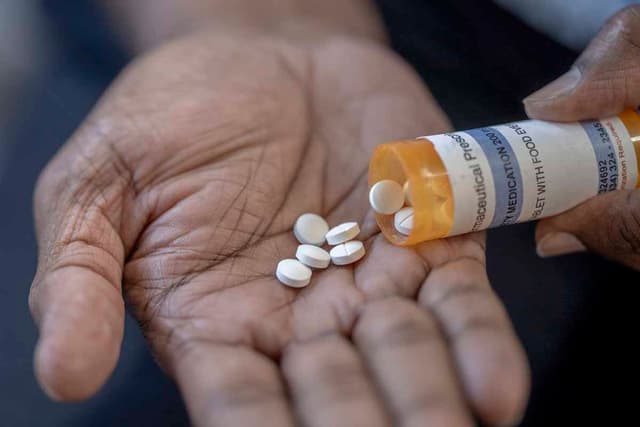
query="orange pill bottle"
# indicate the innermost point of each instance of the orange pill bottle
(467, 181)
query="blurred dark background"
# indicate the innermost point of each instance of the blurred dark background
(575, 314)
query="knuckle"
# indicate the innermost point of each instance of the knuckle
(324, 364)
(344, 378)
(83, 173)
(611, 62)
(99, 176)
(623, 29)
(78, 200)
(86, 256)
(476, 323)
(179, 341)
(473, 312)
(458, 278)
(625, 224)
(307, 356)
(461, 296)
(629, 17)
(466, 305)
(51, 183)
(241, 390)
(394, 322)
(48, 176)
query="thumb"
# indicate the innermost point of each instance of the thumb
(608, 224)
(602, 82)
(76, 297)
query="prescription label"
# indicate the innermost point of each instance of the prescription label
(527, 170)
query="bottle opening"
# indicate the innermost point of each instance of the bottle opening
(415, 164)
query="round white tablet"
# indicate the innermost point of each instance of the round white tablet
(403, 221)
(407, 194)
(313, 256)
(342, 233)
(386, 197)
(292, 272)
(347, 253)
(310, 229)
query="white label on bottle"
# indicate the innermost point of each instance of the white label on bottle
(532, 169)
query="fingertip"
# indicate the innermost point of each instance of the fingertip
(76, 353)
(497, 380)
(43, 376)
(563, 109)
(549, 101)
(535, 110)
(549, 226)
(509, 401)
(542, 228)
(81, 321)
(503, 402)
(67, 375)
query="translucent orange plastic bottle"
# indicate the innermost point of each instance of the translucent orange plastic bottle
(439, 186)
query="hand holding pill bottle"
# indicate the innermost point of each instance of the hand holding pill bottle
(462, 182)
(574, 159)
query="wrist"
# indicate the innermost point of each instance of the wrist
(147, 23)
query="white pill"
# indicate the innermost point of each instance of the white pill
(310, 229)
(407, 194)
(347, 253)
(342, 233)
(292, 272)
(313, 256)
(403, 221)
(386, 197)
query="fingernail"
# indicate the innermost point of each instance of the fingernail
(562, 86)
(559, 243)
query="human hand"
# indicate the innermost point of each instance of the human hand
(603, 81)
(180, 191)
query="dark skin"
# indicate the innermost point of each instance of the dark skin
(180, 191)
(604, 81)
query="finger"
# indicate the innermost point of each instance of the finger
(329, 384)
(407, 356)
(608, 224)
(603, 81)
(76, 295)
(225, 385)
(491, 363)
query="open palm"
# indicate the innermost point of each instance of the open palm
(181, 190)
